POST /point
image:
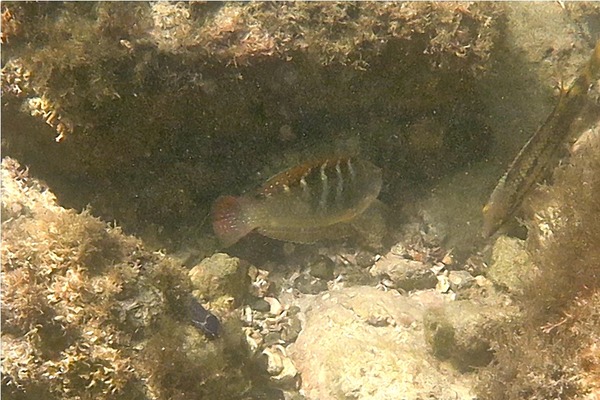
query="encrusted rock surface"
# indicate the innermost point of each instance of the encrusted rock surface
(361, 342)
(221, 277)
(89, 313)
(164, 106)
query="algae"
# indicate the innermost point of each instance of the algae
(167, 105)
(159, 108)
(89, 313)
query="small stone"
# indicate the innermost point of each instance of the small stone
(275, 307)
(221, 275)
(443, 285)
(380, 320)
(511, 264)
(261, 305)
(406, 274)
(291, 331)
(247, 316)
(365, 259)
(272, 338)
(253, 339)
(288, 377)
(322, 268)
(448, 259)
(460, 280)
(274, 360)
(260, 282)
(281, 368)
(253, 272)
(483, 282)
(438, 268)
(293, 310)
(399, 250)
(308, 285)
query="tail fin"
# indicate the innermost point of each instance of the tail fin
(228, 220)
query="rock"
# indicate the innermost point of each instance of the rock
(322, 268)
(261, 305)
(221, 275)
(511, 264)
(291, 330)
(275, 307)
(365, 259)
(443, 283)
(404, 273)
(272, 338)
(280, 367)
(455, 331)
(460, 280)
(363, 343)
(254, 340)
(274, 360)
(307, 285)
(88, 312)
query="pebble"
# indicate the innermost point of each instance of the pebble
(460, 280)
(261, 305)
(275, 307)
(253, 339)
(322, 268)
(280, 367)
(443, 284)
(365, 259)
(272, 338)
(291, 330)
(274, 360)
(404, 273)
(308, 285)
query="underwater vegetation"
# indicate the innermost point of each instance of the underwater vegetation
(552, 350)
(88, 313)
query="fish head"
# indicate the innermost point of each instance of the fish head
(490, 224)
(495, 215)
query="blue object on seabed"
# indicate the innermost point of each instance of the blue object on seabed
(204, 320)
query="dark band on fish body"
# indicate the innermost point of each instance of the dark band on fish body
(320, 177)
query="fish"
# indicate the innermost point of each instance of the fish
(542, 152)
(318, 199)
(204, 320)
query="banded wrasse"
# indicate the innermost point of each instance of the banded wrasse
(542, 151)
(315, 200)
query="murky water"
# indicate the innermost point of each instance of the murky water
(346, 151)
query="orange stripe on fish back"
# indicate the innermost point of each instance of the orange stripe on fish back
(296, 175)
